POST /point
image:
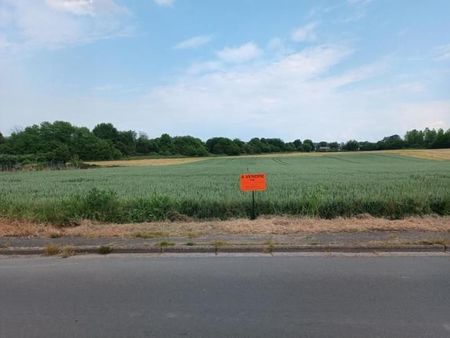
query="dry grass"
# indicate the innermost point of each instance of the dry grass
(147, 162)
(51, 250)
(67, 251)
(263, 226)
(429, 154)
(27, 229)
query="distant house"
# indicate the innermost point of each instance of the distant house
(324, 149)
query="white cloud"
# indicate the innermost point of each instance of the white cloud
(244, 53)
(4, 43)
(58, 23)
(193, 42)
(305, 33)
(164, 3)
(243, 92)
(443, 52)
(79, 7)
(300, 95)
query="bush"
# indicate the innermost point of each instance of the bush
(101, 205)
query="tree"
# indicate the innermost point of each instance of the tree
(367, 146)
(2, 138)
(165, 145)
(298, 145)
(273, 145)
(289, 146)
(321, 145)
(126, 142)
(351, 145)
(391, 142)
(334, 146)
(429, 136)
(308, 145)
(60, 141)
(240, 144)
(106, 131)
(256, 146)
(414, 139)
(87, 147)
(222, 146)
(442, 139)
(189, 146)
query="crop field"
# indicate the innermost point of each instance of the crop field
(380, 184)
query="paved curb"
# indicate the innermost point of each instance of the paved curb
(230, 249)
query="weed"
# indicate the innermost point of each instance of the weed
(217, 245)
(105, 250)
(150, 234)
(392, 237)
(435, 241)
(55, 235)
(164, 245)
(270, 246)
(51, 250)
(192, 235)
(67, 251)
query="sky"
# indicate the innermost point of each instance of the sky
(325, 70)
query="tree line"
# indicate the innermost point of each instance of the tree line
(63, 142)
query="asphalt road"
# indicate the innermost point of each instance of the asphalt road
(282, 296)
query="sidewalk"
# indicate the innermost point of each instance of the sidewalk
(427, 241)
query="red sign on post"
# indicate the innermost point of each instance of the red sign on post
(253, 182)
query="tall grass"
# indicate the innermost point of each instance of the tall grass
(327, 186)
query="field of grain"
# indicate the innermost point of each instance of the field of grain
(430, 154)
(379, 184)
(147, 162)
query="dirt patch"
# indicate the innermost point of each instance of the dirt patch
(261, 226)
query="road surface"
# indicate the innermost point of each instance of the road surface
(225, 296)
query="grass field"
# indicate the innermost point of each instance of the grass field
(380, 184)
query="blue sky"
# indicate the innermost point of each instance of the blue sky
(326, 70)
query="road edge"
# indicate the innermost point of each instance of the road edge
(102, 250)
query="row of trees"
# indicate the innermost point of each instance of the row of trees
(61, 141)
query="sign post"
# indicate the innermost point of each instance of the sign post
(253, 182)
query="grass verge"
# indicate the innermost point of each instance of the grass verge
(106, 206)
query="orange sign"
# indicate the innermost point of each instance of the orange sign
(253, 182)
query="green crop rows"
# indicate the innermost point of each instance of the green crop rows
(327, 186)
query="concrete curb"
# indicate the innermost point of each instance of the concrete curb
(229, 249)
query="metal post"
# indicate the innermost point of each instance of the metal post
(253, 206)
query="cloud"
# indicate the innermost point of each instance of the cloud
(299, 95)
(193, 42)
(164, 3)
(309, 93)
(287, 97)
(443, 53)
(243, 53)
(305, 33)
(58, 23)
(79, 7)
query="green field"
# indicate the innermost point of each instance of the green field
(326, 186)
